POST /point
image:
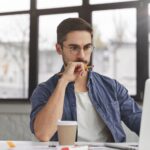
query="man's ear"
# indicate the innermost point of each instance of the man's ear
(59, 49)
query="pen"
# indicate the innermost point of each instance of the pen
(51, 145)
(119, 146)
(88, 67)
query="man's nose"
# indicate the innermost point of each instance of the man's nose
(81, 54)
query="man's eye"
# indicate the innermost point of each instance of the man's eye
(74, 48)
(87, 47)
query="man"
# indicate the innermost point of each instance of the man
(97, 102)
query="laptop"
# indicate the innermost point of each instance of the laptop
(144, 139)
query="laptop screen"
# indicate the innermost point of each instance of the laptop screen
(144, 141)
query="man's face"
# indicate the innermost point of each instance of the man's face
(77, 47)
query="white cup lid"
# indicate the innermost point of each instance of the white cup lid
(60, 122)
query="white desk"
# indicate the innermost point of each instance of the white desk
(29, 145)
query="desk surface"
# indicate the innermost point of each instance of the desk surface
(30, 145)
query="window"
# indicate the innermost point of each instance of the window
(14, 56)
(28, 37)
(49, 61)
(14, 5)
(108, 1)
(115, 42)
(57, 3)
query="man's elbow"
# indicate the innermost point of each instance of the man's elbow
(42, 137)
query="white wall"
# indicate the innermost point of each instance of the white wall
(14, 122)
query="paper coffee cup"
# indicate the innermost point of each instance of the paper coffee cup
(66, 132)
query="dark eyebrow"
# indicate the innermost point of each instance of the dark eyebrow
(73, 45)
(89, 44)
(79, 45)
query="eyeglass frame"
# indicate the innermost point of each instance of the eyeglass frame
(77, 49)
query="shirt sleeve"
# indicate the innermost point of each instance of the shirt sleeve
(130, 110)
(38, 99)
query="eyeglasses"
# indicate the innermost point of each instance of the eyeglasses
(76, 49)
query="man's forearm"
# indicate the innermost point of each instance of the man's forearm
(45, 124)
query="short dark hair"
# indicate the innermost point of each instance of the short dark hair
(72, 24)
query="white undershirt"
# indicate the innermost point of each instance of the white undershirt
(91, 127)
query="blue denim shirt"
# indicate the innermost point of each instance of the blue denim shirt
(110, 99)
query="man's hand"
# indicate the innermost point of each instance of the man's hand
(73, 70)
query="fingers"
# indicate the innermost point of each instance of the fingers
(74, 68)
(79, 68)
